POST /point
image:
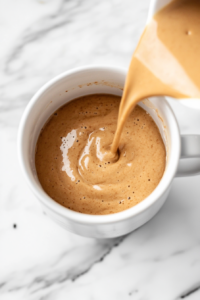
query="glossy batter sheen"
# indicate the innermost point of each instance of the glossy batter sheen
(72, 156)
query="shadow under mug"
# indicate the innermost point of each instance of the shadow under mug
(106, 80)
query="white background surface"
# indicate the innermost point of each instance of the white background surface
(38, 259)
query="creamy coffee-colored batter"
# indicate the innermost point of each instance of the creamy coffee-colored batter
(166, 60)
(87, 163)
(73, 156)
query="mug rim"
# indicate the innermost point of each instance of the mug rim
(87, 218)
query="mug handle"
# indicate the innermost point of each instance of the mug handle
(189, 163)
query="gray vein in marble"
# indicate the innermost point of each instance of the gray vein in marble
(189, 292)
(44, 26)
(102, 249)
(38, 30)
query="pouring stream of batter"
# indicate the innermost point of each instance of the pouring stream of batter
(95, 157)
(166, 60)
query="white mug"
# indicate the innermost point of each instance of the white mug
(107, 80)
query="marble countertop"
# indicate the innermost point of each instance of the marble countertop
(39, 259)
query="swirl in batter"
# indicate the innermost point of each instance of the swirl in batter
(76, 168)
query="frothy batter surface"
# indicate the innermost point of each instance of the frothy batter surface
(71, 156)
